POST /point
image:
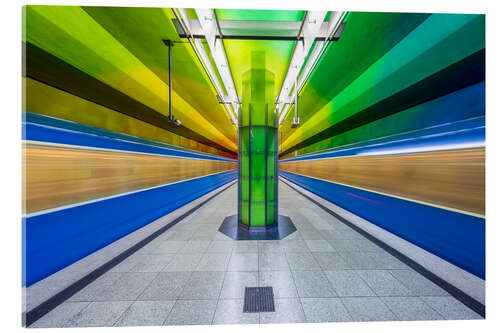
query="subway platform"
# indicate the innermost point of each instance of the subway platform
(180, 270)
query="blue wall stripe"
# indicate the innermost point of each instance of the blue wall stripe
(457, 238)
(58, 239)
(466, 103)
(462, 132)
(46, 129)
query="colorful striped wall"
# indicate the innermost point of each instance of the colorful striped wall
(86, 187)
(453, 179)
(426, 186)
(407, 72)
(57, 176)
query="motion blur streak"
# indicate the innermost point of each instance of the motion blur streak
(453, 178)
(58, 176)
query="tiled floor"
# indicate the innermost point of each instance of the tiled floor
(193, 274)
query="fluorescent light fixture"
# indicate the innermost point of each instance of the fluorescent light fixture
(208, 22)
(207, 26)
(310, 32)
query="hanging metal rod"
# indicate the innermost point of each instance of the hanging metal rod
(218, 54)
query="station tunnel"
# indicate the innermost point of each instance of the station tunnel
(175, 158)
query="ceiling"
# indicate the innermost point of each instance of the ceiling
(378, 56)
(122, 47)
(385, 63)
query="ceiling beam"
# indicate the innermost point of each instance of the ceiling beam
(310, 33)
(207, 27)
(310, 29)
(254, 30)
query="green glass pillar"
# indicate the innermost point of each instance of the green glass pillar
(257, 133)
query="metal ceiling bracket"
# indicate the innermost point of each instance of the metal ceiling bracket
(323, 36)
(210, 30)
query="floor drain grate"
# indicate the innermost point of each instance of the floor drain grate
(258, 299)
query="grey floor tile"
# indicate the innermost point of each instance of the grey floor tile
(170, 246)
(127, 288)
(99, 314)
(281, 281)
(312, 284)
(273, 261)
(384, 260)
(178, 236)
(348, 283)
(322, 310)
(230, 311)
(127, 264)
(214, 262)
(345, 245)
(177, 296)
(319, 245)
(146, 313)
(221, 246)
(411, 308)
(418, 284)
(311, 234)
(235, 283)
(346, 232)
(60, 316)
(450, 308)
(203, 285)
(165, 286)
(90, 292)
(359, 260)
(332, 234)
(46, 288)
(331, 261)
(219, 236)
(383, 283)
(288, 310)
(302, 261)
(295, 245)
(149, 248)
(317, 221)
(152, 263)
(244, 262)
(192, 312)
(367, 309)
(184, 262)
(203, 236)
(195, 246)
(270, 246)
(246, 247)
(293, 236)
(367, 245)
